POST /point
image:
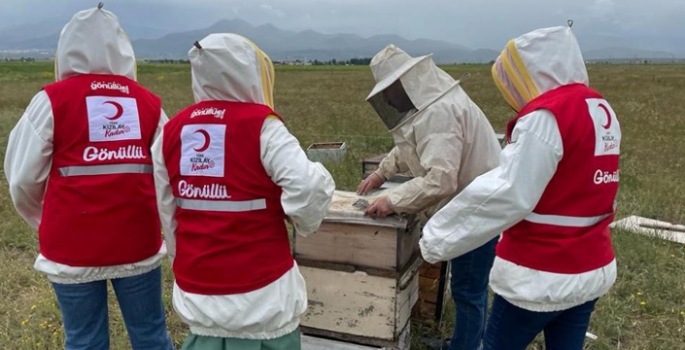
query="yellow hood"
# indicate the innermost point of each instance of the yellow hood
(537, 62)
(229, 67)
(94, 42)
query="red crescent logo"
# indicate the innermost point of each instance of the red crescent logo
(120, 110)
(606, 110)
(205, 134)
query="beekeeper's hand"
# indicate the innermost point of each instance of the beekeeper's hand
(380, 208)
(372, 182)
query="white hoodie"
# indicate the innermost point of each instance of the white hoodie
(92, 42)
(231, 68)
(530, 65)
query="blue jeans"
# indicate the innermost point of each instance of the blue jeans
(513, 328)
(469, 284)
(85, 314)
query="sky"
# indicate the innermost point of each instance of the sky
(649, 24)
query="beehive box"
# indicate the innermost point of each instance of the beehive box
(348, 237)
(310, 342)
(434, 292)
(326, 151)
(361, 273)
(359, 306)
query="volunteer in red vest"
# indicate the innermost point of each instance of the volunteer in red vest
(552, 196)
(228, 174)
(79, 170)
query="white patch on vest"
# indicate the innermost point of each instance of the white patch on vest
(607, 128)
(112, 118)
(91, 154)
(604, 177)
(211, 191)
(203, 149)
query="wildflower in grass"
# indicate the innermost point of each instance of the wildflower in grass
(642, 303)
(24, 322)
(639, 293)
(33, 307)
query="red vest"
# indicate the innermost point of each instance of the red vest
(568, 231)
(99, 207)
(231, 236)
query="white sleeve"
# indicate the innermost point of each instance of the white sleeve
(165, 197)
(500, 198)
(307, 186)
(28, 159)
(163, 119)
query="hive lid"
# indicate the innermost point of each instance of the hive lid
(343, 211)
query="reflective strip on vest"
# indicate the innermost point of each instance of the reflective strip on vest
(106, 169)
(567, 221)
(225, 206)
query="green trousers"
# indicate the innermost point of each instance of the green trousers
(287, 342)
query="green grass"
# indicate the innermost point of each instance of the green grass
(644, 310)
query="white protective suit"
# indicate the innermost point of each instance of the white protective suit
(445, 143)
(92, 42)
(547, 59)
(231, 68)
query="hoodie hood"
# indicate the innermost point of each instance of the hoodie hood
(93, 42)
(229, 67)
(537, 62)
(421, 79)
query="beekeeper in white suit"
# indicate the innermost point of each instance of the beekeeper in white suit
(552, 195)
(228, 173)
(445, 141)
(79, 171)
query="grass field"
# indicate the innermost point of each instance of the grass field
(645, 309)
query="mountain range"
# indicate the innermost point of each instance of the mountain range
(40, 40)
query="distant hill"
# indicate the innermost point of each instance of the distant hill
(40, 40)
(43, 35)
(20, 37)
(27, 40)
(308, 44)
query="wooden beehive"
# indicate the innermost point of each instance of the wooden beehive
(434, 292)
(359, 306)
(327, 151)
(348, 237)
(362, 274)
(310, 342)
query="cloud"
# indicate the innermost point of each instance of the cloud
(473, 23)
(604, 10)
(270, 9)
